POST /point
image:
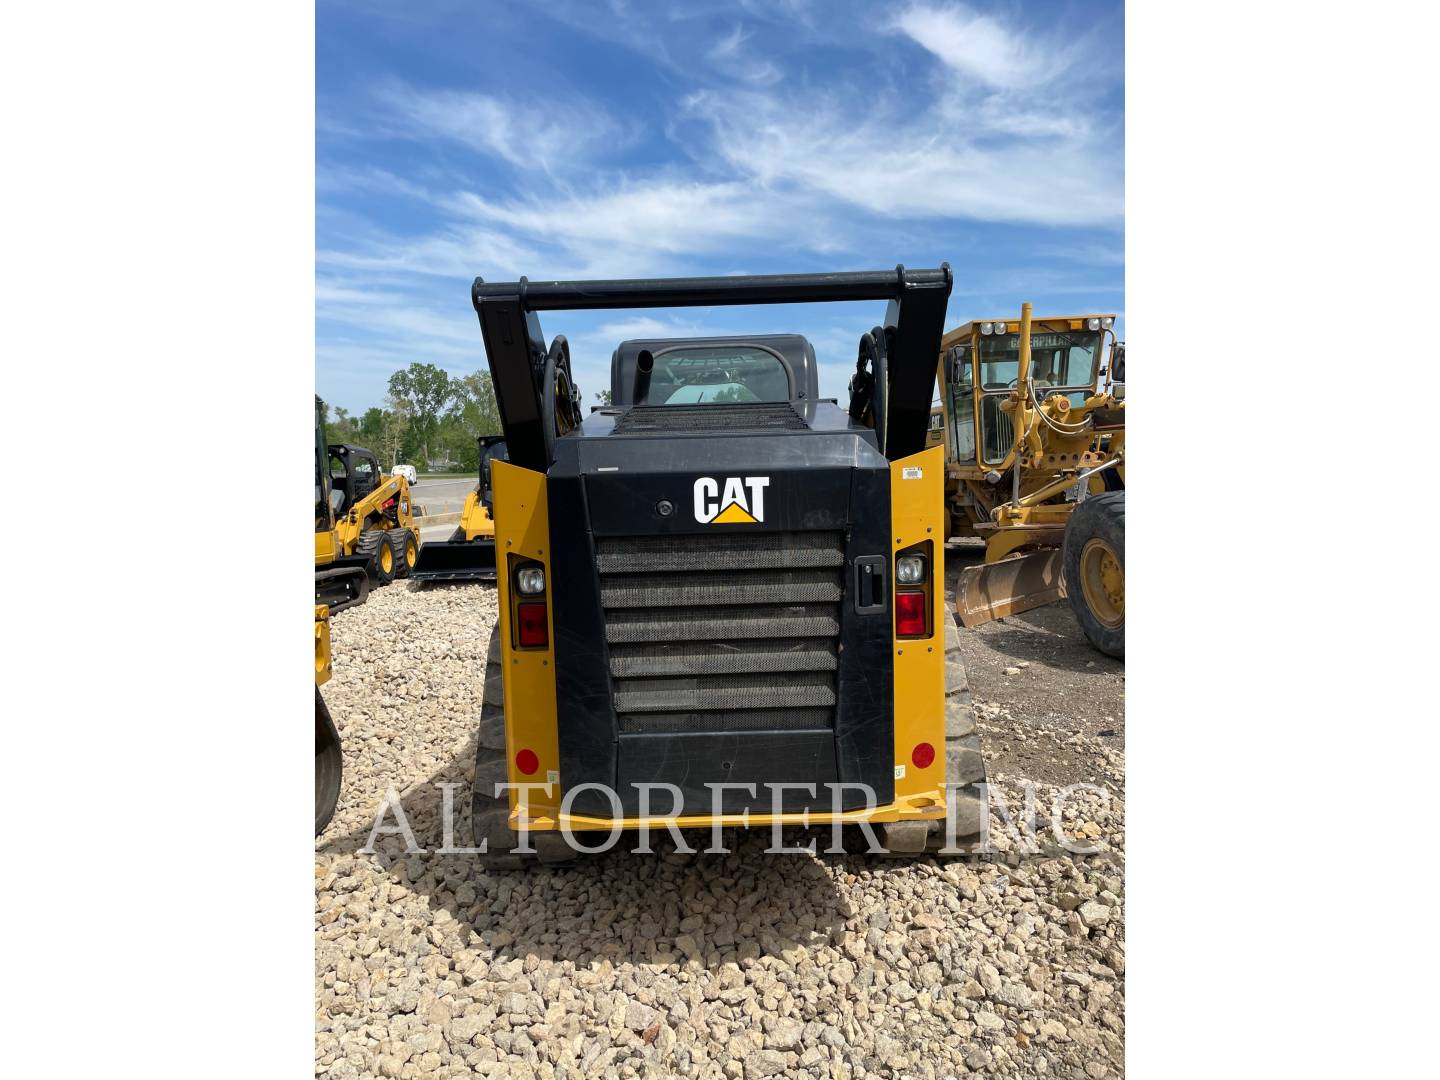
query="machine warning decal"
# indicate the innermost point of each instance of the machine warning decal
(912, 472)
(734, 501)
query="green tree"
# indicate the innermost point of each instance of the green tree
(604, 397)
(342, 428)
(371, 427)
(394, 425)
(474, 404)
(426, 390)
(473, 412)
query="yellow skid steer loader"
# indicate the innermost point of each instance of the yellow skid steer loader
(372, 518)
(339, 583)
(724, 592)
(469, 554)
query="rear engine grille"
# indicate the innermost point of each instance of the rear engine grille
(723, 633)
(725, 587)
(681, 419)
(720, 721)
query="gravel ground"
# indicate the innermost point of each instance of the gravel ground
(742, 965)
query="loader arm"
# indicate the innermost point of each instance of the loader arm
(516, 349)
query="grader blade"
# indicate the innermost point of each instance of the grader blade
(1008, 587)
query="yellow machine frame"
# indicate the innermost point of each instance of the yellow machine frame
(917, 497)
(1016, 515)
(475, 519)
(1019, 504)
(322, 644)
(349, 528)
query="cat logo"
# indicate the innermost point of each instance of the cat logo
(734, 506)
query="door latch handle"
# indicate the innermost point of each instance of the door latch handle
(870, 591)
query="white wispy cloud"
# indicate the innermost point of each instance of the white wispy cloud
(731, 57)
(341, 179)
(452, 250)
(637, 227)
(524, 131)
(983, 48)
(400, 315)
(896, 164)
(754, 157)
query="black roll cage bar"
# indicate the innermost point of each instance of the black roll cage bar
(895, 368)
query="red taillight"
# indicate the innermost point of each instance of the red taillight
(923, 756)
(527, 762)
(530, 620)
(910, 614)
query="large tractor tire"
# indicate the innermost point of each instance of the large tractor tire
(374, 547)
(1094, 561)
(328, 765)
(489, 812)
(406, 551)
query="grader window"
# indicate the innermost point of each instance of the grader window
(962, 404)
(1061, 360)
(717, 375)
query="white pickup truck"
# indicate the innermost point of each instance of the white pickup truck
(407, 471)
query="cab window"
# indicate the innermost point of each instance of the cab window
(366, 477)
(337, 484)
(962, 404)
(717, 375)
(1061, 360)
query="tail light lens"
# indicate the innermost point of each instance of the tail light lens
(912, 591)
(531, 625)
(910, 614)
(528, 603)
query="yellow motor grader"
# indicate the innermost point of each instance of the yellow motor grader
(1034, 436)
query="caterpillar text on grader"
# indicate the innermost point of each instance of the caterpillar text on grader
(469, 554)
(1034, 436)
(721, 599)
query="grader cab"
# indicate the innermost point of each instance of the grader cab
(1035, 466)
(722, 599)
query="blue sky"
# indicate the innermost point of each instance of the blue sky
(627, 139)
